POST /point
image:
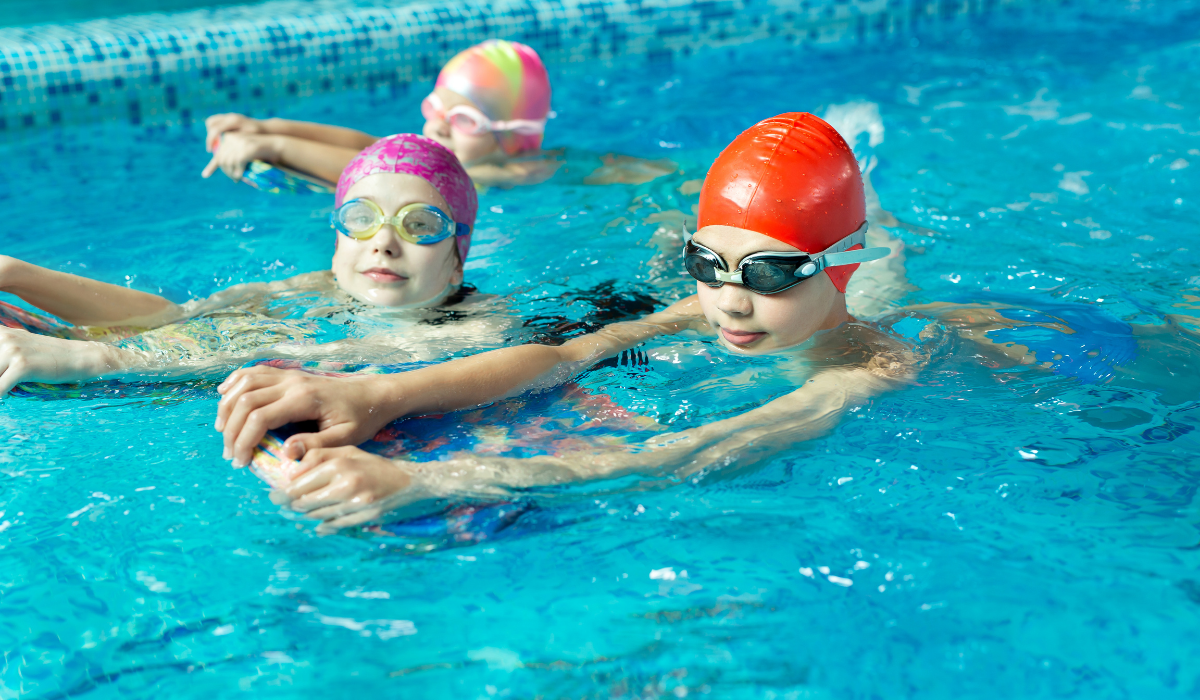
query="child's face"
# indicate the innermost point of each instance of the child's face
(752, 323)
(467, 147)
(385, 269)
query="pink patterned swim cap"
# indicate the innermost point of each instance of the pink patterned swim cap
(410, 154)
(506, 80)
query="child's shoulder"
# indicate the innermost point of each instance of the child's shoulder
(896, 345)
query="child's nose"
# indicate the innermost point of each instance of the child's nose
(735, 300)
(437, 127)
(387, 242)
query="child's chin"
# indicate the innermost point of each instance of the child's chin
(379, 297)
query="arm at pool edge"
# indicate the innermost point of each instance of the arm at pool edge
(350, 410)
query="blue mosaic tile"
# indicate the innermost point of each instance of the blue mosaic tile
(165, 69)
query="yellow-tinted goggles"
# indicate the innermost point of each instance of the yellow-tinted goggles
(418, 223)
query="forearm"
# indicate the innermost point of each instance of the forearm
(321, 133)
(82, 301)
(471, 381)
(324, 160)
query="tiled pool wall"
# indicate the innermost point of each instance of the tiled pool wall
(172, 69)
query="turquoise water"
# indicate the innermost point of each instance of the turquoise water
(990, 531)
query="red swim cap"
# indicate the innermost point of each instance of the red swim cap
(792, 178)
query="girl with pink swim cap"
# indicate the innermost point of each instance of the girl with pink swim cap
(405, 212)
(489, 107)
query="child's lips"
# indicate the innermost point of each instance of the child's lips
(741, 337)
(384, 275)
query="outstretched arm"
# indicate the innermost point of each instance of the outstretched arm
(351, 410)
(346, 486)
(82, 301)
(219, 124)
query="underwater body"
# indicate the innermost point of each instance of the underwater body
(1010, 525)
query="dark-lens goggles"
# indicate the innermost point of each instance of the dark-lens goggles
(771, 272)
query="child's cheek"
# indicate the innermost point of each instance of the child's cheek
(471, 148)
(708, 302)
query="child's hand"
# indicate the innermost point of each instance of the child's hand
(237, 149)
(345, 486)
(257, 399)
(27, 357)
(219, 124)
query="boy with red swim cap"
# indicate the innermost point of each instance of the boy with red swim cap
(781, 229)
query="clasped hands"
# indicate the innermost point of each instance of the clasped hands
(334, 482)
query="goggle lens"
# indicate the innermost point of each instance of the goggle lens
(767, 276)
(424, 223)
(358, 219)
(701, 268)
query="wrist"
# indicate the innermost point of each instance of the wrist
(271, 125)
(274, 146)
(391, 398)
(107, 359)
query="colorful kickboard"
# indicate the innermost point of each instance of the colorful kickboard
(277, 178)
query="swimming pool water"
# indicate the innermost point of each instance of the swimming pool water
(983, 533)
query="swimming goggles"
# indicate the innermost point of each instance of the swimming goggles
(418, 223)
(470, 120)
(772, 272)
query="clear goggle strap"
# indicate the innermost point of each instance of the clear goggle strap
(840, 254)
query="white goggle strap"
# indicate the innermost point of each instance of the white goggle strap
(839, 254)
(520, 126)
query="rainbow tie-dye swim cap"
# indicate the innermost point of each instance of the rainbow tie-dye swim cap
(506, 80)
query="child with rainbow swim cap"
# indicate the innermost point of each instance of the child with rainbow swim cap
(489, 106)
(404, 216)
(781, 230)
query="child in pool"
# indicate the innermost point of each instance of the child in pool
(781, 229)
(489, 107)
(405, 208)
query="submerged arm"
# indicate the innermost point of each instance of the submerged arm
(165, 348)
(737, 443)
